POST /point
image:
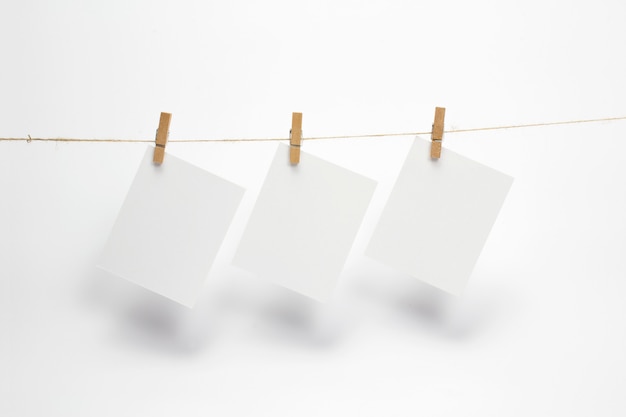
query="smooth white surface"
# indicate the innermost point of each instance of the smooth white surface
(438, 217)
(540, 327)
(170, 227)
(304, 223)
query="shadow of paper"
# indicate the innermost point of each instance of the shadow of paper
(287, 317)
(442, 314)
(251, 311)
(432, 311)
(154, 322)
(146, 320)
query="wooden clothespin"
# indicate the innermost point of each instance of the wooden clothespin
(295, 138)
(437, 133)
(161, 137)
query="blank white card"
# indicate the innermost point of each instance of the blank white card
(171, 227)
(438, 217)
(304, 223)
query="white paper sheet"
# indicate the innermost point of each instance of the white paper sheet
(171, 227)
(438, 217)
(304, 223)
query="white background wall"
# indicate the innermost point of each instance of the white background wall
(541, 328)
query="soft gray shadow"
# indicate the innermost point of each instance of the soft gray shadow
(433, 311)
(145, 320)
(290, 318)
(154, 322)
(442, 314)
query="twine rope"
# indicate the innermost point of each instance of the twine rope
(375, 135)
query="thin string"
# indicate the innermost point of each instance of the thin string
(375, 135)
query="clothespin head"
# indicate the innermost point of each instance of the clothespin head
(161, 137)
(295, 138)
(437, 133)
